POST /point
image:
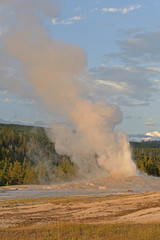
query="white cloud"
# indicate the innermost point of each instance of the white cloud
(54, 21)
(156, 69)
(124, 100)
(131, 8)
(119, 86)
(76, 18)
(122, 10)
(111, 10)
(63, 22)
(136, 80)
(152, 136)
(67, 21)
(126, 85)
(17, 100)
(150, 122)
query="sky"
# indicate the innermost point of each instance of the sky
(121, 39)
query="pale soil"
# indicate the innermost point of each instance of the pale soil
(130, 205)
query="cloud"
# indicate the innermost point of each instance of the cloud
(67, 21)
(141, 48)
(18, 101)
(150, 122)
(27, 101)
(149, 136)
(126, 85)
(136, 79)
(94, 9)
(76, 18)
(78, 8)
(121, 10)
(7, 100)
(131, 31)
(130, 102)
(152, 136)
(63, 22)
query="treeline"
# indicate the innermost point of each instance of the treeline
(27, 156)
(147, 157)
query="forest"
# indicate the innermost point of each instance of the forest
(147, 156)
(27, 156)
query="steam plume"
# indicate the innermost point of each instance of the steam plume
(50, 71)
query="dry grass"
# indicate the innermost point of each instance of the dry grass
(87, 218)
(63, 231)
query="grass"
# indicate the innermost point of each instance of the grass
(75, 230)
(63, 231)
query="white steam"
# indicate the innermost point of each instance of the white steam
(51, 72)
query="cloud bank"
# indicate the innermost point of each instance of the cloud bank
(135, 79)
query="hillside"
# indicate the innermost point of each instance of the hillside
(27, 156)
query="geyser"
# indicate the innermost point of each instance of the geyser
(50, 72)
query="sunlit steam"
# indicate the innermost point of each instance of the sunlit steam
(51, 71)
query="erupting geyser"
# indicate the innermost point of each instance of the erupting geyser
(51, 73)
(94, 145)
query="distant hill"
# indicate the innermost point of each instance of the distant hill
(36, 124)
(146, 144)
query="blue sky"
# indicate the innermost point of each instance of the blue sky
(121, 39)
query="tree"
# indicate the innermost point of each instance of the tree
(30, 176)
(15, 174)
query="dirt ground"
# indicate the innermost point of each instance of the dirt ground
(106, 208)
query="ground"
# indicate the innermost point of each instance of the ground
(105, 203)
